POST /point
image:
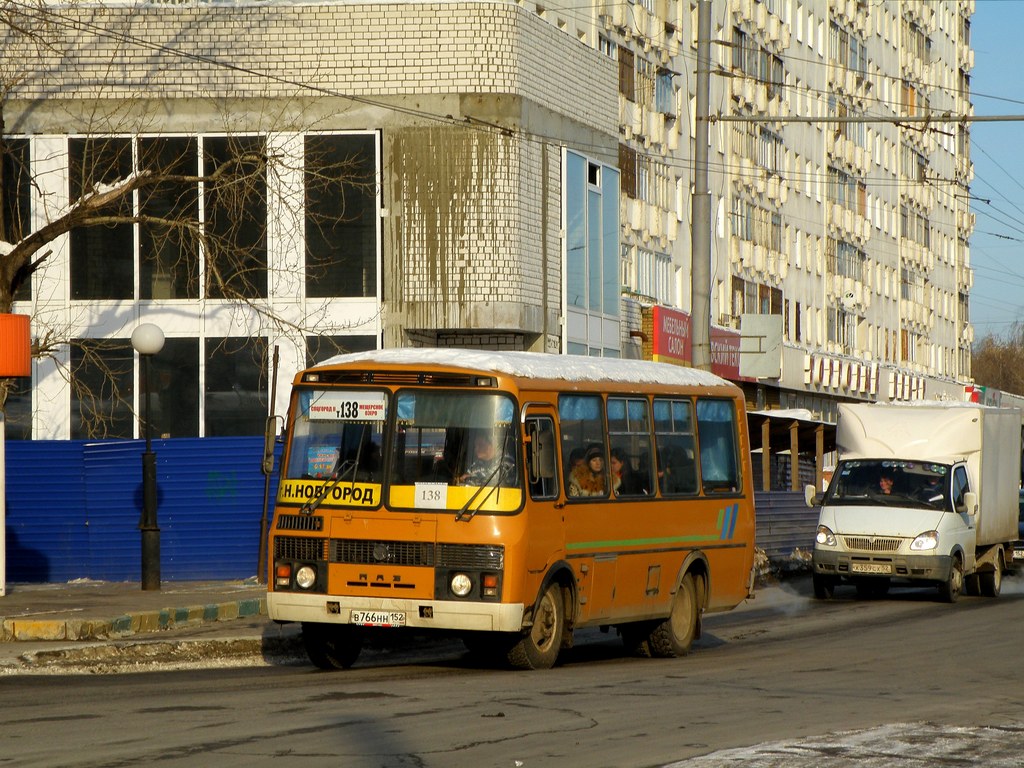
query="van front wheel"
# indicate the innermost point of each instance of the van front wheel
(950, 589)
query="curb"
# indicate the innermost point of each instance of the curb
(16, 630)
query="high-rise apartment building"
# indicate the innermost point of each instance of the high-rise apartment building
(488, 174)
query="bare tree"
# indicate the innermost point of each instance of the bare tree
(998, 362)
(219, 254)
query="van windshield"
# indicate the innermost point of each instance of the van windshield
(870, 482)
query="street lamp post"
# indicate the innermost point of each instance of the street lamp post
(148, 339)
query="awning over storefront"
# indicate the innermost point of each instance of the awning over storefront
(795, 432)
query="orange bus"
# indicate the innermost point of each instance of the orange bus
(512, 498)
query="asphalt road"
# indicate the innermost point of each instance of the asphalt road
(784, 681)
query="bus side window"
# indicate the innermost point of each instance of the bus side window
(674, 439)
(716, 435)
(542, 458)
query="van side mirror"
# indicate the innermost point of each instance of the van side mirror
(970, 505)
(811, 496)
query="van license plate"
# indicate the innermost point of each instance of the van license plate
(379, 618)
(871, 567)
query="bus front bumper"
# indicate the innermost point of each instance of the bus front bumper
(426, 614)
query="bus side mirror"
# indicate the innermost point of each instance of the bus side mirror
(542, 454)
(269, 440)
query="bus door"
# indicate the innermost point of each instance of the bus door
(545, 529)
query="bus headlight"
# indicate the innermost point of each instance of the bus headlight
(305, 577)
(825, 537)
(925, 541)
(461, 585)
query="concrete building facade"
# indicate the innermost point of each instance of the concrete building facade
(525, 173)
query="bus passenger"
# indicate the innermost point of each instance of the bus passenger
(588, 478)
(625, 482)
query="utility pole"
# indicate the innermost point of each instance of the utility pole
(700, 203)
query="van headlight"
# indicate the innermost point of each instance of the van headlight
(825, 537)
(925, 541)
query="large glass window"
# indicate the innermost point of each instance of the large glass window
(236, 386)
(102, 386)
(236, 216)
(341, 215)
(102, 255)
(168, 247)
(15, 216)
(592, 274)
(319, 349)
(18, 409)
(175, 393)
(716, 435)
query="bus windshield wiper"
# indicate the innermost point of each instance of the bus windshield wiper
(490, 486)
(340, 470)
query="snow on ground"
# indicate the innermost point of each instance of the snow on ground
(896, 744)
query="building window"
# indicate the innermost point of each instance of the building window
(168, 248)
(102, 389)
(18, 409)
(15, 218)
(592, 242)
(102, 255)
(236, 386)
(175, 393)
(341, 215)
(236, 216)
(319, 349)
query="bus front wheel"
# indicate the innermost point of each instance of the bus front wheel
(331, 646)
(674, 636)
(538, 648)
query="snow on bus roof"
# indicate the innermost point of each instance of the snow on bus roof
(538, 365)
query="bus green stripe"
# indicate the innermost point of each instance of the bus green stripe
(637, 542)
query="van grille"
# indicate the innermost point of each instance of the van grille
(869, 544)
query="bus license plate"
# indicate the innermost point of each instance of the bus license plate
(871, 568)
(379, 618)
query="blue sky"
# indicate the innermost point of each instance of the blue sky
(997, 245)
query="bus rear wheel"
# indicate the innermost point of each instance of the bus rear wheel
(331, 646)
(538, 648)
(674, 636)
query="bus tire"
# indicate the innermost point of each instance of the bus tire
(331, 646)
(636, 637)
(538, 648)
(675, 635)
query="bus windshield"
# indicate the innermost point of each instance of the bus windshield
(338, 434)
(445, 442)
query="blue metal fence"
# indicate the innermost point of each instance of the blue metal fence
(73, 508)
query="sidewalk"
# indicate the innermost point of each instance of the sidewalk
(98, 610)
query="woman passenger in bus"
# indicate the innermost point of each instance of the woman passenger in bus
(625, 482)
(588, 478)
